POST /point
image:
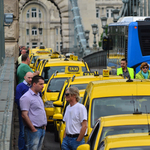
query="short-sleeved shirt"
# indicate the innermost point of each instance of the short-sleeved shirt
(21, 72)
(73, 117)
(19, 59)
(33, 103)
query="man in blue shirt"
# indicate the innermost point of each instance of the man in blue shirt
(21, 89)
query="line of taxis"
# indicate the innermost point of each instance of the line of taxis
(118, 109)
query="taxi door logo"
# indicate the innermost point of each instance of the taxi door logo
(73, 68)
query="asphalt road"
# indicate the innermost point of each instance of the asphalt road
(49, 142)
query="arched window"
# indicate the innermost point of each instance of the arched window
(40, 14)
(34, 12)
(34, 31)
(28, 14)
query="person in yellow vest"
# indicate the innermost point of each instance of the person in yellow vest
(125, 71)
(144, 73)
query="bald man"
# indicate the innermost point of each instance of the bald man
(23, 51)
(21, 89)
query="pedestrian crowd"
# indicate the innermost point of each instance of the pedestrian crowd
(31, 112)
(127, 72)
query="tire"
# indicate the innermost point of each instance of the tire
(56, 136)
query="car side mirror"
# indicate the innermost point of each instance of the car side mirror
(84, 146)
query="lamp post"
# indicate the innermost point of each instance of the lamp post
(87, 37)
(104, 23)
(115, 15)
(94, 28)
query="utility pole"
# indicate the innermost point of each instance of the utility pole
(2, 38)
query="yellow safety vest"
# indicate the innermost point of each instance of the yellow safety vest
(131, 72)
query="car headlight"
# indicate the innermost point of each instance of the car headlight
(48, 104)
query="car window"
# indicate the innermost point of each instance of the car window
(93, 136)
(80, 86)
(107, 106)
(56, 84)
(114, 130)
(84, 98)
(48, 71)
(34, 59)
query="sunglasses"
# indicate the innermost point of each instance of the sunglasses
(67, 94)
(145, 67)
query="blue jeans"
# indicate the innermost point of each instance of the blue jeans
(21, 140)
(34, 140)
(71, 143)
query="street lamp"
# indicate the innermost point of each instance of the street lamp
(104, 23)
(115, 15)
(87, 37)
(94, 28)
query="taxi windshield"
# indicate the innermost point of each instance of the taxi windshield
(34, 59)
(55, 84)
(107, 106)
(132, 148)
(114, 130)
(48, 71)
(80, 86)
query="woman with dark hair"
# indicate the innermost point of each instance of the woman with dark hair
(144, 73)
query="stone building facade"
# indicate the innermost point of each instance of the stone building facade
(51, 26)
(39, 25)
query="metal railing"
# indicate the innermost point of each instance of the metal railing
(78, 40)
(2, 38)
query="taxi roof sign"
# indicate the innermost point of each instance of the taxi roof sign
(42, 52)
(75, 58)
(105, 73)
(71, 57)
(73, 69)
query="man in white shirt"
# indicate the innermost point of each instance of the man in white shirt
(76, 121)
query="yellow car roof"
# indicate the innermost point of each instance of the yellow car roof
(84, 79)
(63, 74)
(127, 140)
(118, 87)
(62, 63)
(119, 120)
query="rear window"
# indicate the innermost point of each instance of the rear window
(80, 86)
(55, 84)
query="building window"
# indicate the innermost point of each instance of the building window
(97, 13)
(56, 31)
(61, 46)
(41, 44)
(57, 46)
(34, 45)
(109, 13)
(27, 31)
(27, 45)
(34, 31)
(33, 12)
(40, 14)
(28, 14)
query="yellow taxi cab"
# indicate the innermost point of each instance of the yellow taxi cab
(35, 55)
(112, 97)
(50, 66)
(132, 141)
(52, 90)
(117, 124)
(80, 82)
